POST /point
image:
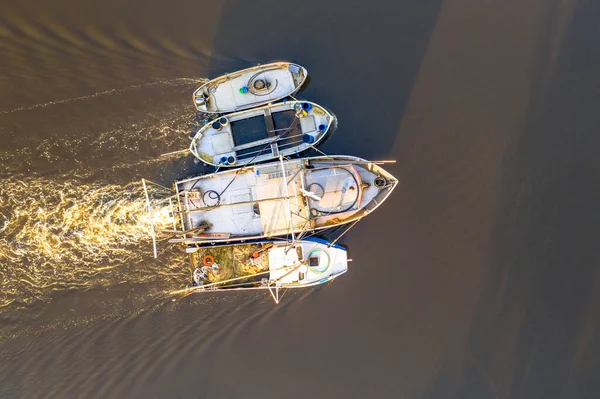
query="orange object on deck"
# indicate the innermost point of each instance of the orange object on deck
(208, 260)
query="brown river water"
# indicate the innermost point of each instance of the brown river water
(478, 278)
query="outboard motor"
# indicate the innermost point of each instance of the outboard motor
(200, 99)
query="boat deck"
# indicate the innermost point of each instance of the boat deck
(260, 127)
(226, 95)
(311, 262)
(232, 262)
(250, 136)
(254, 202)
(338, 188)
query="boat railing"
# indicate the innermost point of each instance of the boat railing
(257, 143)
(248, 154)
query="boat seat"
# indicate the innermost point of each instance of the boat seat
(270, 124)
(308, 124)
(222, 143)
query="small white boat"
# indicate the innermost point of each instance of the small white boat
(250, 87)
(273, 266)
(261, 134)
(288, 198)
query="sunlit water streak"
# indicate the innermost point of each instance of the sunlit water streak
(73, 213)
(57, 235)
(171, 82)
(83, 231)
(98, 138)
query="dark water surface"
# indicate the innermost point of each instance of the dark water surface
(478, 278)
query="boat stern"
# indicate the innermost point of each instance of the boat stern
(201, 99)
(213, 143)
(299, 74)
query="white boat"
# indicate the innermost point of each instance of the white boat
(249, 88)
(289, 197)
(261, 134)
(273, 266)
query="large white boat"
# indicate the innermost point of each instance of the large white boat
(262, 134)
(249, 88)
(289, 197)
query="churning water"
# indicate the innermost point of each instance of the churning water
(57, 235)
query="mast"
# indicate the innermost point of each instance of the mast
(152, 232)
(287, 197)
